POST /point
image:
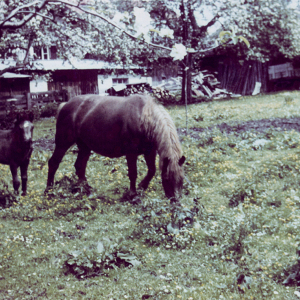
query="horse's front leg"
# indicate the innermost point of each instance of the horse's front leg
(150, 161)
(132, 173)
(53, 164)
(15, 178)
(81, 162)
(24, 169)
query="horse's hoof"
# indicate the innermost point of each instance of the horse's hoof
(175, 202)
(47, 189)
(136, 200)
(128, 196)
(24, 194)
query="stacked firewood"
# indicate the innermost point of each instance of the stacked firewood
(204, 86)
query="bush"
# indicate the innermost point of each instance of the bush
(99, 259)
(166, 224)
(49, 110)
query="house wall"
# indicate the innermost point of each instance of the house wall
(106, 81)
(38, 86)
(76, 82)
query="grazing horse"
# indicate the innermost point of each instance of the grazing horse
(16, 148)
(116, 126)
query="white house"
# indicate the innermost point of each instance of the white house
(76, 76)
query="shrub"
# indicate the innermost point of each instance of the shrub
(165, 224)
(99, 259)
(49, 110)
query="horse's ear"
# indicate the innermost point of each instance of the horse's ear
(31, 116)
(166, 162)
(181, 161)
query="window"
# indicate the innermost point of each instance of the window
(116, 81)
(53, 52)
(45, 53)
(37, 53)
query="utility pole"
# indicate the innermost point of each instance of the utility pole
(186, 74)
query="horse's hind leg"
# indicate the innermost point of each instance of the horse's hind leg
(81, 161)
(150, 161)
(132, 173)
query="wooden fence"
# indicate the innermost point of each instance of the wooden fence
(30, 100)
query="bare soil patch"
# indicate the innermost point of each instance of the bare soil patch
(254, 125)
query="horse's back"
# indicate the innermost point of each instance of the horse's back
(104, 123)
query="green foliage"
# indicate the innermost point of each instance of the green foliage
(46, 111)
(49, 110)
(99, 259)
(165, 224)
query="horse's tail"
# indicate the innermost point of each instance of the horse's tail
(59, 108)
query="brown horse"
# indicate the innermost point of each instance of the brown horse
(16, 148)
(117, 126)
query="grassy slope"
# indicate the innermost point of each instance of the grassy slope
(256, 239)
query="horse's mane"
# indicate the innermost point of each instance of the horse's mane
(159, 127)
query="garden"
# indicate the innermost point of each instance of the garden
(235, 235)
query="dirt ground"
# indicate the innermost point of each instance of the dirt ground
(255, 126)
(237, 127)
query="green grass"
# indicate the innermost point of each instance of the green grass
(239, 109)
(247, 224)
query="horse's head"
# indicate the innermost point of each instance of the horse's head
(24, 128)
(172, 177)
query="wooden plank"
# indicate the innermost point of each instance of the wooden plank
(28, 101)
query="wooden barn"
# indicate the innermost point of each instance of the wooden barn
(12, 84)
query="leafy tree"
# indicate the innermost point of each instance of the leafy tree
(122, 32)
(270, 26)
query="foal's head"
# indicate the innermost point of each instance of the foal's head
(172, 177)
(24, 128)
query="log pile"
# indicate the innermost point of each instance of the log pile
(204, 86)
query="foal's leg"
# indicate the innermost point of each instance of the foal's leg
(132, 173)
(150, 161)
(81, 161)
(15, 178)
(24, 169)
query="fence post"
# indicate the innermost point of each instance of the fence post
(28, 101)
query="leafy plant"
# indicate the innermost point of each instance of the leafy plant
(99, 259)
(165, 224)
(49, 110)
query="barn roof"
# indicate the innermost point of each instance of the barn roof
(13, 75)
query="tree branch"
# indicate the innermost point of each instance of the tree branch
(5, 24)
(109, 22)
(38, 14)
(129, 34)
